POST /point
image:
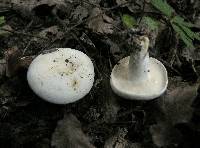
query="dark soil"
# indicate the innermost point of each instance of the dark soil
(106, 119)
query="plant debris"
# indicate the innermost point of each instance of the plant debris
(176, 108)
(100, 23)
(68, 133)
(99, 29)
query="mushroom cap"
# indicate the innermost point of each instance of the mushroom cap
(154, 86)
(62, 76)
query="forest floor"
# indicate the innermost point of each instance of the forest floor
(100, 29)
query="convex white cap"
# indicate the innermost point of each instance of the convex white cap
(139, 77)
(61, 76)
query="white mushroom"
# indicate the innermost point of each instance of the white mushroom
(138, 76)
(62, 76)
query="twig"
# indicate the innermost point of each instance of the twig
(174, 50)
(144, 4)
(27, 46)
(194, 69)
(96, 5)
(168, 65)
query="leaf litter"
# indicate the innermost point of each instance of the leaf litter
(101, 119)
(176, 108)
(68, 134)
(101, 23)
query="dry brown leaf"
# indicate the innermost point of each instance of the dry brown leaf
(50, 32)
(176, 104)
(68, 134)
(5, 31)
(25, 61)
(12, 56)
(79, 13)
(13, 61)
(133, 6)
(25, 7)
(94, 1)
(136, 5)
(176, 107)
(99, 22)
(121, 2)
(164, 134)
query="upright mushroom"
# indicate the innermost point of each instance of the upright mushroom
(61, 76)
(138, 76)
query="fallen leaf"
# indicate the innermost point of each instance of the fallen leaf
(176, 108)
(13, 61)
(114, 49)
(51, 32)
(177, 104)
(121, 2)
(79, 13)
(94, 1)
(25, 61)
(133, 6)
(164, 134)
(26, 7)
(99, 22)
(68, 134)
(4, 31)
(12, 56)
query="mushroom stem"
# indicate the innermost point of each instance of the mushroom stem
(137, 76)
(138, 62)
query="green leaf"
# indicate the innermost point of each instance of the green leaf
(2, 20)
(197, 36)
(181, 27)
(189, 32)
(163, 6)
(129, 21)
(151, 23)
(179, 20)
(185, 26)
(186, 39)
